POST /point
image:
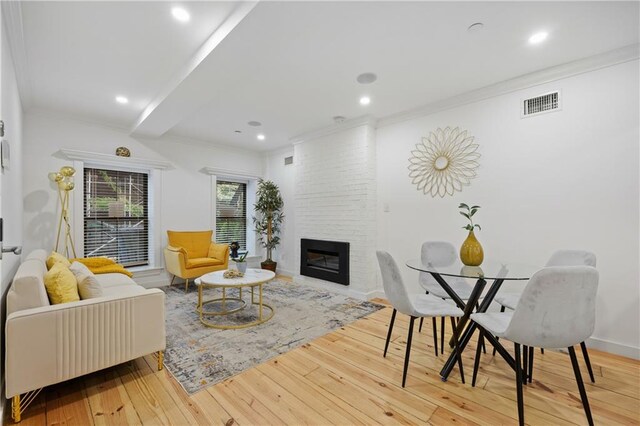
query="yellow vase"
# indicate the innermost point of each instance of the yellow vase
(471, 252)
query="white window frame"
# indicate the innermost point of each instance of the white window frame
(153, 168)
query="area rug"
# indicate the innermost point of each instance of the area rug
(199, 356)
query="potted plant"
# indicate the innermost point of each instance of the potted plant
(471, 253)
(241, 263)
(268, 219)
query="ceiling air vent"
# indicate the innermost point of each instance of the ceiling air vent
(548, 102)
(288, 160)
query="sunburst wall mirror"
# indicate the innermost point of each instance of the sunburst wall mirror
(444, 162)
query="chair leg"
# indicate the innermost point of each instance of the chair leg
(585, 354)
(525, 363)
(542, 351)
(476, 363)
(408, 352)
(420, 327)
(435, 334)
(457, 348)
(530, 374)
(519, 384)
(484, 348)
(186, 285)
(502, 308)
(386, 345)
(442, 326)
(583, 392)
(173, 278)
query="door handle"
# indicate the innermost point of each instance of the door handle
(12, 249)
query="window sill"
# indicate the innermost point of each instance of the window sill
(144, 271)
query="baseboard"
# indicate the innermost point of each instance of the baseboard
(614, 348)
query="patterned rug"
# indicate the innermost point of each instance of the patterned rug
(199, 356)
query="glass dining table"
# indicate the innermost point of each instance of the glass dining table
(499, 272)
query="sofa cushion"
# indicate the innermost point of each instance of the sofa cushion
(114, 280)
(195, 243)
(61, 284)
(88, 285)
(27, 290)
(202, 261)
(124, 290)
(54, 258)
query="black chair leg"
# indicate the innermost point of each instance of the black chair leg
(420, 327)
(386, 345)
(442, 326)
(408, 352)
(583, 392)
(502, 308)
(585, 354)
(435, 334)
(542, 351)
(519, 384)
(457, 348)
(525, 363)
(484, 348)
(530, 374)
(476, 363)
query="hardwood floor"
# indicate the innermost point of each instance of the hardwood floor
(342, 378)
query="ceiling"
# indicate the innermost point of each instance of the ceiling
(292, 65)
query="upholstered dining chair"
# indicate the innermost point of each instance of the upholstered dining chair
(557, 309)
(413, 305)
(510, 300)
(441, 253)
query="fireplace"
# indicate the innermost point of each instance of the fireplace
(326, 260)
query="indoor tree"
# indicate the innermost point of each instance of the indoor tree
(268, 218)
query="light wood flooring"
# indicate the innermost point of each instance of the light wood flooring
(342, 378)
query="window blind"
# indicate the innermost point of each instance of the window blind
(116, 215)
(231, 213)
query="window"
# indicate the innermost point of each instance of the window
(231, 213)
(116, 215)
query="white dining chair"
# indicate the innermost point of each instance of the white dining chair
(413, 305)
(510, 300)
(441, 253)
(557, 309)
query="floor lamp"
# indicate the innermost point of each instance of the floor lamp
(65, 184)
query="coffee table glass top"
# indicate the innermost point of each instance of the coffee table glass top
(251, 276)
(489, 270)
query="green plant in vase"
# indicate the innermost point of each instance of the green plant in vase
(268, 219)
(241, 262)
(471, 253)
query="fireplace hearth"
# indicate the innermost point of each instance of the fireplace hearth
(326, 260)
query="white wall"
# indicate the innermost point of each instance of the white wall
(11, 190)
(186, 192)
(284, 176)
(566, 179)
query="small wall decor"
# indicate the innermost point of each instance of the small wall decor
(444, 162)
(123, 151)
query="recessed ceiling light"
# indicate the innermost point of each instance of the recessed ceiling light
(366, 78)
(254, 123)
(122, 100)
(260, 137)
(180, 14)
(538, 37)
(365, 100)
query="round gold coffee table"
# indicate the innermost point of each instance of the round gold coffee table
(229, 305)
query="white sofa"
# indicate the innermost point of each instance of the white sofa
(47, 344)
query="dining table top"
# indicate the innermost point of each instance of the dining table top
(488, 270)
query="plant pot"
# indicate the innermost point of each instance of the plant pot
(241, 266)
(269, 265)
(471, 253)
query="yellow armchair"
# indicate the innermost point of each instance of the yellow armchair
(191, 254)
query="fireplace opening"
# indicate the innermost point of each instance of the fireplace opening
(326, 260)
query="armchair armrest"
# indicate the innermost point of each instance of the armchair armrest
(175, 259)
(219, 251)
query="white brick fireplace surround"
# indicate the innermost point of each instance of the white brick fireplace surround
(335, 199)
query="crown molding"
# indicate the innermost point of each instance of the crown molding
(238, 174)
(365, 120)
(12, 14)
(547, 75)
(113, 160)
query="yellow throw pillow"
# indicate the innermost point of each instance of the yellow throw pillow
(54, 258)
(61, 284)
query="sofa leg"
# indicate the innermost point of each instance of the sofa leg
(186, 285)
(160, 360)
(15, 409)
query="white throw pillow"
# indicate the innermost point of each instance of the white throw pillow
(88, 285)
